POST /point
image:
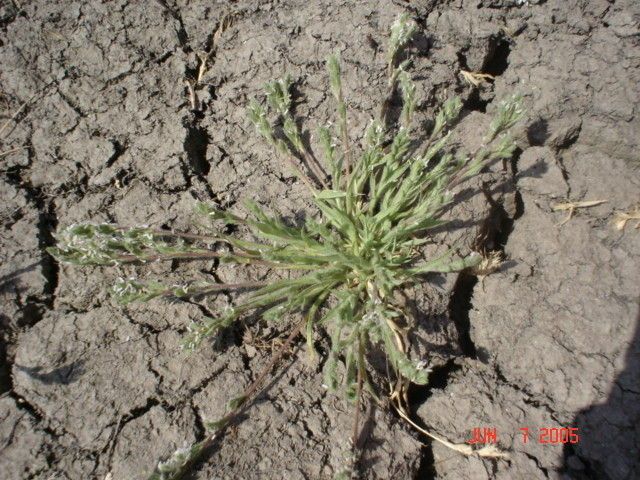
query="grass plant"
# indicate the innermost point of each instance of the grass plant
(352, 259)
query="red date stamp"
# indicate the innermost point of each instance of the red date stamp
(545, 435)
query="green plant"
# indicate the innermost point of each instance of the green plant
(354, 256)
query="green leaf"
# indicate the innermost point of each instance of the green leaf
(330, 194)
(214, 213)
(401, 32)
(445, 264)
(509, 112)
(236, 402)
(330, 374)
(216, 425)
(403, 365)
(333, 67)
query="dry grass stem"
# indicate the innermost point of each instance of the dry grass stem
(621, 218)
(476, 78)
(488, 451)
(13, 150)
(571, 207)
(14, 116)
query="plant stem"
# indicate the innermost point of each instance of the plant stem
(129, 258)
(249, 391)
(290, 159)
(345, 135)
(315, 168)
(388, 98)
(201, 255)
(188, 236)
(356, 421)
(347, 151)
(266, 370)
(391, 89)
(15, 114)
(13, 150)
(170, 292)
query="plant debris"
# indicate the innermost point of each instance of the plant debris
(573, 206)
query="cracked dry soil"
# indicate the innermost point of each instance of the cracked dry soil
(101, 126)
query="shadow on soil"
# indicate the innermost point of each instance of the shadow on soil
(609, 432)
(63, 375)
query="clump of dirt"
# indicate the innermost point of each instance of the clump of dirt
(106, 129)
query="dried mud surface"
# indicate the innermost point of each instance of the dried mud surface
(108, 133)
